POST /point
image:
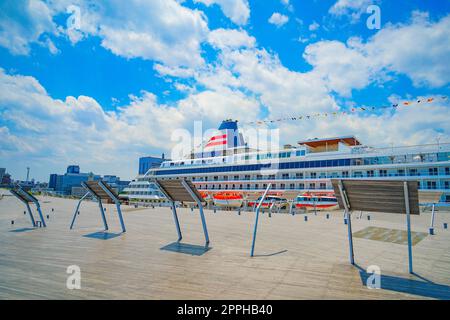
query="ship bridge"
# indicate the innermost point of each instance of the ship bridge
(330, 144)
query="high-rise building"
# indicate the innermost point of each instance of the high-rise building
(62, 184)
(2, 173)
(145, 163)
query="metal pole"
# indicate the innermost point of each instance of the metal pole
(103, 213)
(40, 214)
(290, 206)
(116, 201)
(256, 219)
(349, 222)
(76, 210)
(31, 214)
(119, 211)
(175, 218)
(200, 207)
(408, 224)
(432, 220)
(174, 208)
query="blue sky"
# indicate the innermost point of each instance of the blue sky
(114, 87)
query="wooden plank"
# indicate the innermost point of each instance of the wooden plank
(176, 190)
(313, 263)
(378, 196)
(299, 260)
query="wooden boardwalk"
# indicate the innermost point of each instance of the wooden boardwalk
(295, 259)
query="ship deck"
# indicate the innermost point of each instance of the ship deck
(295, 259)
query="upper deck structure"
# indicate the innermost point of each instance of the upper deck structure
(310, 166)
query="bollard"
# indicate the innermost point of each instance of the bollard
(306, 218)
(445, 225)
(368, 217)
(431, 231)
(12, 221)
(24, 212)
(48, 217)
(53, 209)
(328, 216)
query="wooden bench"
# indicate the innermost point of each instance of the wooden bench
(393, 196)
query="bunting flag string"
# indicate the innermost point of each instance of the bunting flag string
(351, 111)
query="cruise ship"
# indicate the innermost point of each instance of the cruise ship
(226, 166)
(142, 191)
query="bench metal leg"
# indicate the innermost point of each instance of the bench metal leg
(432, 220)
(103, 214)
(41, 215)
(31, 215)
(350, 237)
(119, 212)
(177, 223)
(200, 207)
(256, 219)
(408, 225)
(76, 210)
(205, 230)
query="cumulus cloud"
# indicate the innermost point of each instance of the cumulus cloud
(278, 19)
(420, 51)
(161, 30)
(230, 38)
(313, 26)
(237, 11)
(351, 8)
(23, 23)
(139, 29)
(36, 127)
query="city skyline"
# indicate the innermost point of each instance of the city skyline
(102, 85)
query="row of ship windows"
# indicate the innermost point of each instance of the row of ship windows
(422, 157)
(343, 174)
(144, 193)
(141, 186)
(430, 185)
(442, 156)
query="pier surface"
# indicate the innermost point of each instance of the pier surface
(295, 259)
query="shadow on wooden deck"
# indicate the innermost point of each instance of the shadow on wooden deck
(102, 235)
(186, 248)
(423, 287)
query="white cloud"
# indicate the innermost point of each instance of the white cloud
(160, 30)
(51, 132)
(230, 38)
(289, 6)
(278, 19)
(419, 49)
(343, 68)
(237, 11)
(420, 52)
(140, 29)
(351, 8)
(313, 26)
(22, 23)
